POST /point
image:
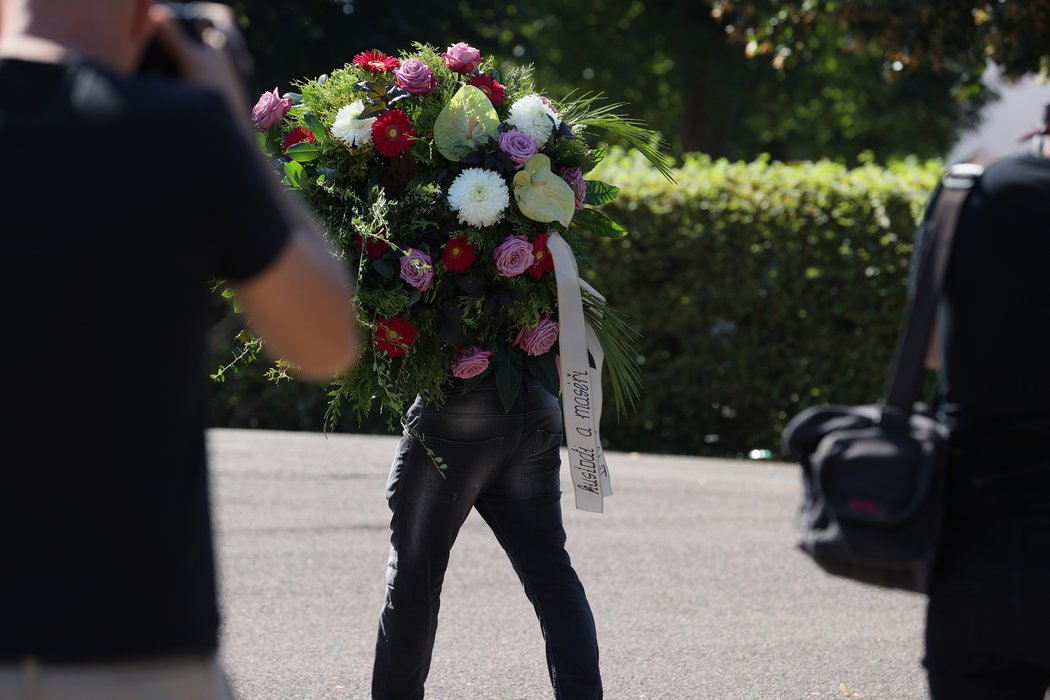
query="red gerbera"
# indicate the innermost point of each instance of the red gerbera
(394, 336)
(298, 135)
(376, 61)
(392, 133)
(492, 89)
(544, 262)
(459, 254)
(373, 247)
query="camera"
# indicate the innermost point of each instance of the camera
(192, 18)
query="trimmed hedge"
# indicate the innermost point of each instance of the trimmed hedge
(758, 288)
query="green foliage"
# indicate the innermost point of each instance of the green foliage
(953, 36)
(684, 74)
(757, 289)
(682, 71)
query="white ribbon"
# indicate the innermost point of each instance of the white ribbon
(581, 381)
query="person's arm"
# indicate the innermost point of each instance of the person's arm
(301, 303)
(933, 360)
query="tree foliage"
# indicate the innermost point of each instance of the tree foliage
(682, 70)
(944, 36)
(685, 74)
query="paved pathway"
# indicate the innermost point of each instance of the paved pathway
(696, 587)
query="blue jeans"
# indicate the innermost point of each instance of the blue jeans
(506, 465)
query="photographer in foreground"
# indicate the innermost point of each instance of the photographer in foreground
(124, 197)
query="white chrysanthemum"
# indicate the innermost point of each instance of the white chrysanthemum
(479, 197)
(348, 128)
(532, 116)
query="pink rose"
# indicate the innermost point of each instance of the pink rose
(539, 340)
(513, 256)
(417, 269)
(518, 146)
(462, 58)
(471, 362)
(270, 109)
(415, 77)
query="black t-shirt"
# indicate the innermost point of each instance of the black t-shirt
(995, 339)
(123, 199)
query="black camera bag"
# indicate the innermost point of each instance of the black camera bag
(874, 475)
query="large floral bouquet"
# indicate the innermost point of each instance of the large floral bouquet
(441, 182)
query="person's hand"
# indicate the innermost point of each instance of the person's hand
(206, 63)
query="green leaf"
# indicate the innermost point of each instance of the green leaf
(294, 175)
(541, 195)
(467, 121)
(585, 111)
(296, 97)
(314, 124)
(507, 362)
(472, 383)
(599, 224)
(600, 193)
(545, 370)
(383, 269)
(303, 152)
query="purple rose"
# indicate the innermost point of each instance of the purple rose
(462, 58)
(471, 362)
(270, 109)
(538, 340)
(417, 270)
(415, 77)
(574, 176)
(518, 146)
(513, 256)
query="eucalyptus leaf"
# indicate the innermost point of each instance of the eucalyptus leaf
(541, 195)
(303, 152)
(600, 193)
(467, 121)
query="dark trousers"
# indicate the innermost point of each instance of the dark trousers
(507, 466)
(988, 620)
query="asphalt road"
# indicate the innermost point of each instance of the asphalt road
(696, 586)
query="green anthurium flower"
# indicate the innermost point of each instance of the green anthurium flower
(467, 121)
(541, 195)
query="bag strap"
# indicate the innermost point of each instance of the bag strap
(906, 378)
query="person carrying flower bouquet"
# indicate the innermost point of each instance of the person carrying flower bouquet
(459, 197)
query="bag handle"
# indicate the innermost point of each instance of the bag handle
(907, 375)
